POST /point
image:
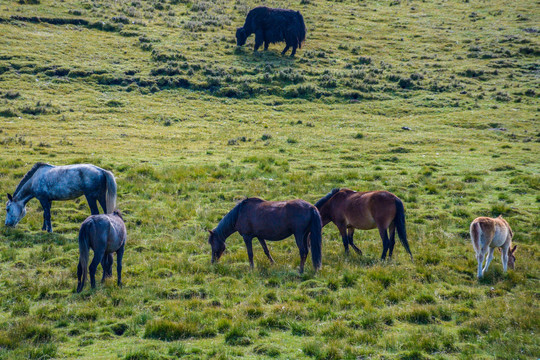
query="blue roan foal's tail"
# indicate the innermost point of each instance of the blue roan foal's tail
(315, 228)
(84, 248)
(400, 225)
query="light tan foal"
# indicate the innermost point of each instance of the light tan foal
(488, 234)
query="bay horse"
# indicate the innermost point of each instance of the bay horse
(105, 234)
(273, 221)
(351, 210)
(49, 183)
(488, 234)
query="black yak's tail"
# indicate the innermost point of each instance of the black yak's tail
(82, 268)
(316, 239)
(301, 29)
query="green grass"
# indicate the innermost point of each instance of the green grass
(434, 101)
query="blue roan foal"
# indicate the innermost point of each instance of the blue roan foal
(105, 234)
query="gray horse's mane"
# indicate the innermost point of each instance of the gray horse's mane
(28, 175)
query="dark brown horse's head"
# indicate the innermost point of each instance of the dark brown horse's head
(217, 244)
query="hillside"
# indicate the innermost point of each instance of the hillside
(436, 102)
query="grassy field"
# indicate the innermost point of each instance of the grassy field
(434, 101)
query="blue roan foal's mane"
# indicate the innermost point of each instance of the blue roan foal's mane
(327, 197)
(28, 175)
(226, 226)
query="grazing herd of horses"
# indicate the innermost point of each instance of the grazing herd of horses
(252, 218)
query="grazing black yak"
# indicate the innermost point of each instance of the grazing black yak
(273, 26)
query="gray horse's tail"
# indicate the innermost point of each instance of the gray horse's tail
(111, 191)
(82, 268)
(400, 226)
(315, 227)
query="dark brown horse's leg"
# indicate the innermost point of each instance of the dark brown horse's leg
(265, 248)
(392, 231)
(302, 247)
(249, 247)
(386, 242)
(119, 256)
(350, 234)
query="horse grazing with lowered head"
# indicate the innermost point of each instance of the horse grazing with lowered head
(105, 234)
(273, 221)
(48, 183)
(273, 26)
(351, 210)
(488, 234)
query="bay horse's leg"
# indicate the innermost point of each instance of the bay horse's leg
(119, 256)
(386, 242)
(350, 234)
(285, 50)
(265, 248)
(392, 231)
(98, 256)
(93, 204)
(302, 247)
(343, 232)
(46, 205)
(488, 260)
(249, 248)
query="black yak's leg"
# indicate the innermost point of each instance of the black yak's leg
(293, 51)
(266, 44)
(259, 39)
(285, 50)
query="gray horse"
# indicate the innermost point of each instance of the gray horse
(105, 234)
(48, 183)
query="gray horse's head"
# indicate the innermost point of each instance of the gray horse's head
(15, 211)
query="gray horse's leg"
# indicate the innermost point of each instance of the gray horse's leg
(103, 202)
(92, 202)
(119, 256)
(46, 205)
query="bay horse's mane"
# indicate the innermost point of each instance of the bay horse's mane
(327, 197)
(28, 175)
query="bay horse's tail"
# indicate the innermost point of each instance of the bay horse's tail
(315, 228)
(400, 225)
(111, 191)
(82, 268)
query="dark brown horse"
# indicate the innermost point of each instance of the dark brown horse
(351, 210)
(273, 221)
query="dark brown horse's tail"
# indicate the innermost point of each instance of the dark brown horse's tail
(400, 225)
(315, 228)
(82, 268)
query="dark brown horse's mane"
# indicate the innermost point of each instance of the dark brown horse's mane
(227, 224)
(28, 175)
(327, 197)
